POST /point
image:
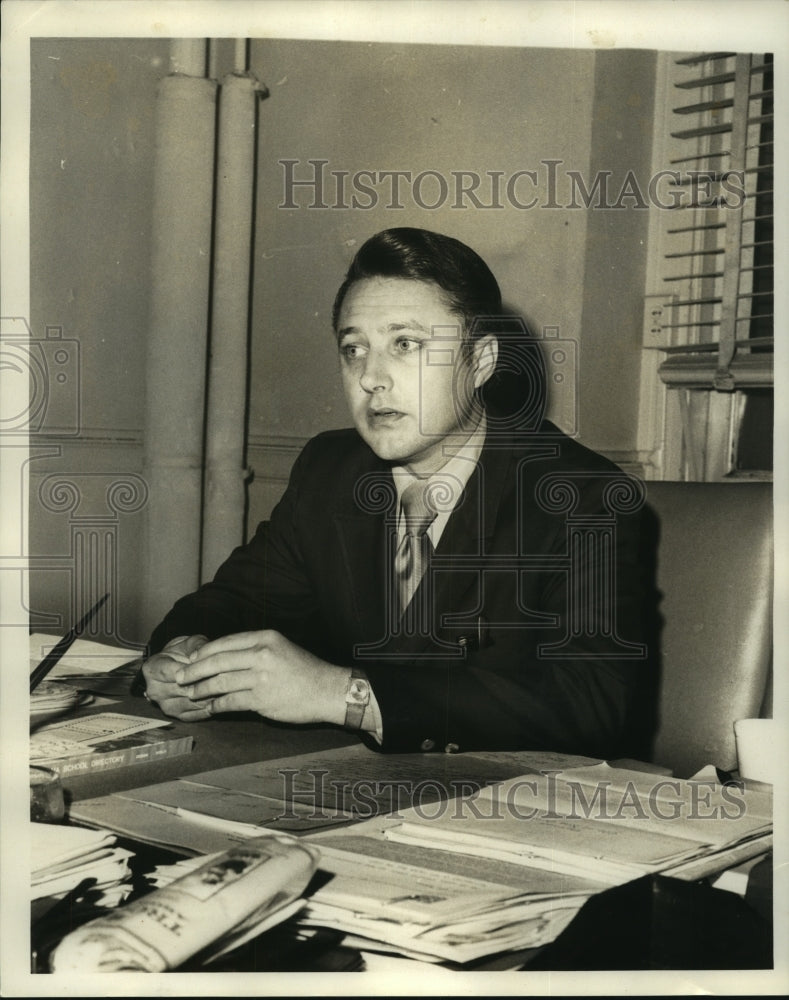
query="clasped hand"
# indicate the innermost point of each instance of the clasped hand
(192, 679)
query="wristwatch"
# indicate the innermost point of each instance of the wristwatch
(357, 698)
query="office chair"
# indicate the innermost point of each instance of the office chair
(714, 575)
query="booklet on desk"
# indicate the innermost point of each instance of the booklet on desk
(103, 742)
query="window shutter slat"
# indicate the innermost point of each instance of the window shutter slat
(720, 265)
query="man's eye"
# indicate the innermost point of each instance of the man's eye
(351, 352)
(407, 345)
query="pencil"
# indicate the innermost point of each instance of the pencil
(57, 651)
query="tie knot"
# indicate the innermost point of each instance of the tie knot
(417, 509)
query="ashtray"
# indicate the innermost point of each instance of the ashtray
(51, 699)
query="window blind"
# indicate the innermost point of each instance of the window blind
(718, 262)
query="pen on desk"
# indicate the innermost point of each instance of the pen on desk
(57, 651)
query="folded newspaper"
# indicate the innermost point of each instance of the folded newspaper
(208, 910)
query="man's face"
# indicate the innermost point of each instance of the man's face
(408, 384)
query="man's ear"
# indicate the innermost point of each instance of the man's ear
(485, 353)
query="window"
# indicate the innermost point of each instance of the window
(709, 312)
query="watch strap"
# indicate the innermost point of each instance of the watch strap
(357, 698)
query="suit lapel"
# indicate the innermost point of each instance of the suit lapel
(365, 526)
(472, 523)
(474, 518)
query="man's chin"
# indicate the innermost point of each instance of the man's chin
(387, 453)
(419, 460)
(387, 449)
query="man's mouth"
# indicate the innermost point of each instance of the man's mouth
(384, 415)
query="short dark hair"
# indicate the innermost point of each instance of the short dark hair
(465, 279)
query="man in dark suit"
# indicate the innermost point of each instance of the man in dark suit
(452, 574)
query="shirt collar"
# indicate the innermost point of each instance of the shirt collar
(453, 475)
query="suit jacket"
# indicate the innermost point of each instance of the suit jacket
(534, 636)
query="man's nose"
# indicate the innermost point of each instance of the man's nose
(375, 376)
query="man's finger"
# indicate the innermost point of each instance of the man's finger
(184, 709)
(220, 663)
(194, 642)
(231, 643)
(219, 684)
(178, 656)
(236, 701)
(191, 715)
(162, 667)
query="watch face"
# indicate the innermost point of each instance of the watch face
(358, 692)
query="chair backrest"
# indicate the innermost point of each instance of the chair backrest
(714, 574)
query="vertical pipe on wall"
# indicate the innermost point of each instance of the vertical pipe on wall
(223, 512)
(178, 334)
(188, 56)
(241, 55)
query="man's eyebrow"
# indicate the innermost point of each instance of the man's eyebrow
(409, 324)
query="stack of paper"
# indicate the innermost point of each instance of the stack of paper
(84, 668)
(63, 856)
(508, 867)
(454, 879)
(434, 905)
(606, 824)
(83, 656)
(423, 904)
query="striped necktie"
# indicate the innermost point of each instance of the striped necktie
(414, 548)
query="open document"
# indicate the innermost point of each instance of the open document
(604, 823)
